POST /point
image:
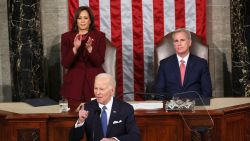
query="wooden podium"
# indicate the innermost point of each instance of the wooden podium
(231, 117)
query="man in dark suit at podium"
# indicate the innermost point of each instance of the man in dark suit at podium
(105, 118)
(183, 72)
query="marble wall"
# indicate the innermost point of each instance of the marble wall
(240, 50)
(26, 50)
(54, 15)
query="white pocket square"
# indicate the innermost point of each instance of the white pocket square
(115, 122)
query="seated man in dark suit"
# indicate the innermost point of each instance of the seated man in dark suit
(183, 72)
(106, 118)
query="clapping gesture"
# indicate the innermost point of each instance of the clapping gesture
(88, 44)
(78, 40)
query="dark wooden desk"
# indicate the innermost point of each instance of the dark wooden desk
(231, 123)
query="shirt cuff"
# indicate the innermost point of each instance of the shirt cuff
(115, 138)
(78, 124)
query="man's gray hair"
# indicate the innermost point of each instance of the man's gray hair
(109, 77)
(182, 30)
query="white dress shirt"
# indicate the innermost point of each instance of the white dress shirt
(184, 59)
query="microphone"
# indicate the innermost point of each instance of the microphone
(96, 113)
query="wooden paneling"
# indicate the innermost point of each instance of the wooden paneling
(247, 132)
(235, 125)
(59, 128)
(160, 128)
(217, 130)
(2, 127)
(27, 130)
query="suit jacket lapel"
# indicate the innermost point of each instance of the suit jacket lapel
(113, 116)
(188, 69)
(98, 125)
(176, 68)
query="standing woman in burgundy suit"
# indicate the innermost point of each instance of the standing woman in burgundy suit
(82, 52)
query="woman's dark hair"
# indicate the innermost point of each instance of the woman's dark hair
(77, 13)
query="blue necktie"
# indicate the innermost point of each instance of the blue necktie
(104, 120)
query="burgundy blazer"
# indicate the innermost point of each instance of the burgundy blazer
(81, 69)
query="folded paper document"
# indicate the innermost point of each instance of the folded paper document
(147, 105)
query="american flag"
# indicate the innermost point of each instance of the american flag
(135, 27)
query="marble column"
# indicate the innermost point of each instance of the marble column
(26, 50)
(240, 58)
